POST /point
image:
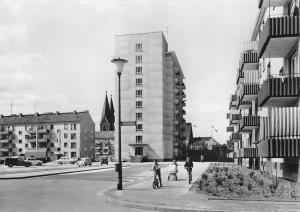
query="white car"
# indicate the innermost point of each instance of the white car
(34, 161)
(84, 162)
(66, 160)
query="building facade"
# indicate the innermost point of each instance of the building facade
(264, 111)
(104, 139)
(152, 93)
(47, 136)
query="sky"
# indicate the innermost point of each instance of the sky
(55, 54)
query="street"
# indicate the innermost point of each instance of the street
(69, 192)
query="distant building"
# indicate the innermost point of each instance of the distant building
(153, 94)
(104, 139)
(188, 138)
(204, 143)
(48, 136)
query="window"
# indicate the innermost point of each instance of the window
(73, 145)
(73, 136)
(65, 145)
(65, 126)
(73, 155)
(138, 47)
(65, 135)
(139, 81)
(20, 132)
(139, 116)
(26, 145)
(73, 126)
(20, 150)
(138, 70)
(138, 93)
(139, 139)
(138, 59)
(20, 141)
(139, 127)
(51, 127)
(139, 104)
(138, 151)
(65, 154)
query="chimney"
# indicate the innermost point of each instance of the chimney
(57, 113)
(37, 114)
(75, 112)
(20, 114)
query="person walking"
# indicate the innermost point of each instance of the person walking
(189, 167)
(156, 171)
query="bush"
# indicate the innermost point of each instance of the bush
(249, 186)
(241, 180)
(230, 176)
(200, 184)
(251, 174)
(219, 181)
(204, 176)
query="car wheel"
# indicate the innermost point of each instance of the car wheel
(10, 165)
(27, 165)
(39, 164)
(60, 163)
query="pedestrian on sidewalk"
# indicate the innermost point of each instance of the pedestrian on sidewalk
(156, 171)
(189, 167)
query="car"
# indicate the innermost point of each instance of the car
(34, 161)
(84, 162)
(104, 160)
(16, 161)
(66, 160)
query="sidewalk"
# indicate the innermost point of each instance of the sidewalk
(21, 173)
(175, 196)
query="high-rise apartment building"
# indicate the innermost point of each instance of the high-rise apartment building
(47, 136)
(264, 111)
(152, 94)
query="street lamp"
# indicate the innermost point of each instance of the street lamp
(119, 68)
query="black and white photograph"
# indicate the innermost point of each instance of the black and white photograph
(149, 105)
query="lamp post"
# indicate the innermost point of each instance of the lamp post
(119, 68)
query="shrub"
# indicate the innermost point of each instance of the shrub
(216, 175)
(241, 180)
(230, 176)
(204, 176)
(251, 174)
(207, 184)
(261, 182)
(249, 186)
(219, 181)
(200, 184)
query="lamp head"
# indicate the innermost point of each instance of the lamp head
(119, 64)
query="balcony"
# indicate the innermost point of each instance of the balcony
(41, 140)
(272, 3)
(233, 102)
(234, 137)
(249, 153)
(279, 91)
(183, 112)
(4, 149)
(230, 129)
(249, 60)
(40, 131)
(235, 118)
(239, 75)
(249, 123)
(278, 37)
(249, 92)
(243, 104)
(4, 132)
(4, 141)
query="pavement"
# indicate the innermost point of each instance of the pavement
(49, 169)
(178, 196)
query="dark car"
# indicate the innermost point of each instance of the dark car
(104, 160)
(16, 161)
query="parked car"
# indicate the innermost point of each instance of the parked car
(84, 162)
(16, 161)
(104, 160)
(66, 160)
(34, 161)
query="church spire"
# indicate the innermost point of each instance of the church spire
(112, 114)
(105, 117)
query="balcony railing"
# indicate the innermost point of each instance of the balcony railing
(233, 102)
(42, 140)
(279, 90)
(249, 60)
(235, 137)
(249, 122)
(243, 104)
(248, 92)
(4, 149)
(279, 36)
(248, 152)
(235, 118)
(272, 3)
(239, 75)
(230, 129)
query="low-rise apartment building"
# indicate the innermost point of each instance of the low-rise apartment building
(264, 111)
(48, 136)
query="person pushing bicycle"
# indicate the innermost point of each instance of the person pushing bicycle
(189, 167)
(156, 171)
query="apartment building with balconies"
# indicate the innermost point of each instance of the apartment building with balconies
(153, 95)
(268, 94)
(47, 136)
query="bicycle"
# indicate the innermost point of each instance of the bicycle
(155, 183)
(189, 170)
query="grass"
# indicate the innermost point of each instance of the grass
(233, 181)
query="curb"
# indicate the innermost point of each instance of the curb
(253, 200)
(55, 173)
